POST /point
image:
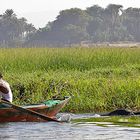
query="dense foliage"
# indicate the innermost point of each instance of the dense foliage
(93, 25)
(74, 26)
(13, 31)
(100, 79)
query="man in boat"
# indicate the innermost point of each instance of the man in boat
(5, 90)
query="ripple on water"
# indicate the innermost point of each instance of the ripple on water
(67, 131)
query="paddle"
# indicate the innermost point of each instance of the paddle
(31, 112)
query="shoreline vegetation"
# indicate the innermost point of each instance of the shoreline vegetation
(126, 121)
(100, 78)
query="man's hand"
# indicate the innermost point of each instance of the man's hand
(3, 89)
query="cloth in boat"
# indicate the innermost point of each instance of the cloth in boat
(52, 102)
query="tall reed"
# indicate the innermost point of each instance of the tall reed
(100, 79)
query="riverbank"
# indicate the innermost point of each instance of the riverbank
(100, 79)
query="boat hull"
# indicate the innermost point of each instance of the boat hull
(13, 115)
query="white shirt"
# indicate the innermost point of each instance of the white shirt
(8, 96)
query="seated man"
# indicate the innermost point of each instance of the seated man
(5, 90)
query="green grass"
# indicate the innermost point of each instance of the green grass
(81, 59)
(127, 121)
(101, 79)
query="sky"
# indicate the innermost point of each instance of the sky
(40, 12)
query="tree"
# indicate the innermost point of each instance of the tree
(9, 13)
(69, 27)
(112, 20)
(13, 29)
(131, 20)
(95, 26)
(75, 25)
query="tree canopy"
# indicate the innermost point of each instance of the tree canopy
(73, 26)
(12, 29)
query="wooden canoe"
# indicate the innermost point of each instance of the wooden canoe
(49, 108)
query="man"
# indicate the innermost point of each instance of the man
(5, 90)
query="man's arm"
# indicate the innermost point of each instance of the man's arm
(3, 89)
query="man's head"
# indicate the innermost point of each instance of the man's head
(1, 75)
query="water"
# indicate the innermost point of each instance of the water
(67, 131)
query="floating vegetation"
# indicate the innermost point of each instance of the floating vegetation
(133, 121)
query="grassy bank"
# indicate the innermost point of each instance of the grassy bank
(129, 121)
(101, 79)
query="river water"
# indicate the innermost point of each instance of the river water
(67, 131)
